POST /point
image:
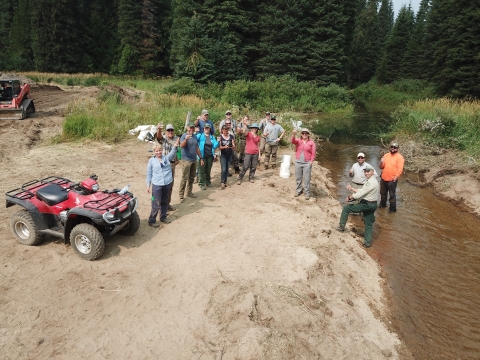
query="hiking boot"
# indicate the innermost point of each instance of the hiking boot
(203, 187)
(307, 197)
(265, 167)
(239, 182)
(171, 208)
(192, 195)
(165, 221)
(154, 225)
(229, 174)
(297, 194)
(222, 186)
(339, 228)
(252, 181)
(209, 185)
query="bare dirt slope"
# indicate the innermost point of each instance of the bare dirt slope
(249, 272)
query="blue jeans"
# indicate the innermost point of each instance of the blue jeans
(225, 163)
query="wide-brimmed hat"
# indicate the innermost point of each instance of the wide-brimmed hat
(305, 130)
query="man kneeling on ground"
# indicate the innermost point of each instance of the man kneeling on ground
(368, 196)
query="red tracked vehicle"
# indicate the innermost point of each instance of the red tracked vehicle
(15, 103)
(79, 213)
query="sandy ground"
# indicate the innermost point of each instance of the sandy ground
(249, 272)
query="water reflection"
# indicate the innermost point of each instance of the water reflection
(431, 253)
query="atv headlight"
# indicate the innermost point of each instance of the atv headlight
(108, 216)
(95, 187)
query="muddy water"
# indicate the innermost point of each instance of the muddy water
(430, 252)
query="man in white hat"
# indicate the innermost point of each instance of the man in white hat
(356, 171)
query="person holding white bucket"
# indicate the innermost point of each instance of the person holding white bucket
(305, 153)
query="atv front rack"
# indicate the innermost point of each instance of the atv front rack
(110, 202)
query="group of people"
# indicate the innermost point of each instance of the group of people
(200, 148)
(365, 189)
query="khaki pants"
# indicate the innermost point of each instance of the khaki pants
(188, 175)
(271, 151)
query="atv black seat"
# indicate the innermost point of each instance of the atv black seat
(52, 194)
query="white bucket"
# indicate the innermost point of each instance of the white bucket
(285, 170)
(142, 135)
(286, 159)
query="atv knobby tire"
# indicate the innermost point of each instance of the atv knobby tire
(25, 229)
(87, 242)
(133, 225)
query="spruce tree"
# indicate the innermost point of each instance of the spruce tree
(6, 17)
(127, 59)
(386, 18)
(396, 46)
(414, 63)
(56, 36)
(365, 46)
(20, 52)
(453, 30)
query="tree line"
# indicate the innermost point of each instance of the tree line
(346, 42)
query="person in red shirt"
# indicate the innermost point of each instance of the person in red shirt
(392, 166)
(305, 152)
(251, 150)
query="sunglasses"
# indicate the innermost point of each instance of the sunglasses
(360, 157)
(304, 133)
(170, 130)
(228, 114)
(393, 147)
(228, 123)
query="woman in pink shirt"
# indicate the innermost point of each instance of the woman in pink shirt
(252, 140)
(304, 156)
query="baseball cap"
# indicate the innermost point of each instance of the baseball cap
(273, 117)
(267, 112)
(361, 154)
(228, 112)
(206, 125)
(190, 125)
(367, 168)
(169, 127)
(305, 130)
(254, 126)
(204, 112)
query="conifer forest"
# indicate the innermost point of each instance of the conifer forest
(344, 42)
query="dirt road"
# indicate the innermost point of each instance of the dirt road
(249, 272)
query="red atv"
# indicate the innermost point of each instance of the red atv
(76, 212)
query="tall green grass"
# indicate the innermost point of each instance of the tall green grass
(112, 114)
(276, 94)
(381, 97)
(443, 122)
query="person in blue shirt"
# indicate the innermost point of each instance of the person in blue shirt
(207, 144)
(159, 176)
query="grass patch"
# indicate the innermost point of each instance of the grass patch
(112, 114)
(377, 97)
(444, 122)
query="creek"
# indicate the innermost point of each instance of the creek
(429, 250)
